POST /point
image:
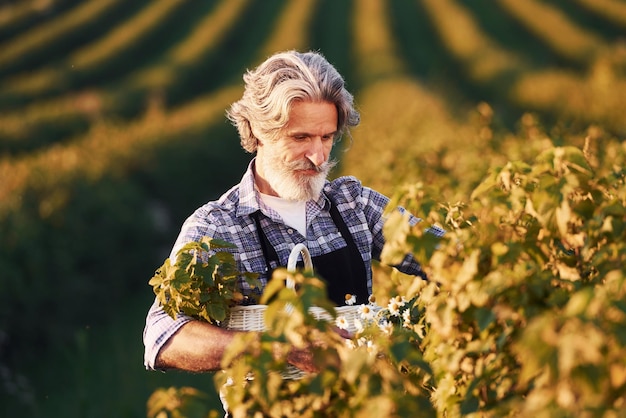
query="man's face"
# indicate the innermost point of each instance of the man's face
(296, 165)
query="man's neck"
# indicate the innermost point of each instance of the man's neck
(261, 184)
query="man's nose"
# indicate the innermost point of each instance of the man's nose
(315, 152)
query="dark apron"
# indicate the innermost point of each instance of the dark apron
(343, 270)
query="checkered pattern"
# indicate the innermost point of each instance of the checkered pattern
(229, 218)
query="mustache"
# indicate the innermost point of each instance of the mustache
(325, 167)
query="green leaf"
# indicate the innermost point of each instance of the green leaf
(484, 318)
(273, 287)
(487, 185)
(252, 280)
(423, 246)
(216, 311)
(217, 243)
(395, 230)
(400, 350)
(470, 403)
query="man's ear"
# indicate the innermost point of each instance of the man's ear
(256, 137)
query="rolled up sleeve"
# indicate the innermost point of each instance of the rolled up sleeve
(158, 330)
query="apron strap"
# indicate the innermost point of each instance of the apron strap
(345, 232)
(343, 270)
(269, 253)
(350, 278)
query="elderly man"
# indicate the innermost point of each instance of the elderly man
(294, 108)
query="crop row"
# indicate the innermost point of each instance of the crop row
(94, 154)
(20, 16)
(106, 57)
(593, 96)
(96, 178)
(612, 10)
(33, 47)
(32, 126)
(483, 58)
(82, 221)
(193, 65)
(557, 30)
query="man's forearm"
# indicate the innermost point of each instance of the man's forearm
(196, 347)
(199, 347)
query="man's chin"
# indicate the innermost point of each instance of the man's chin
(298, 185)
(301, 193)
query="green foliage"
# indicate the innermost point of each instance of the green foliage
(523, 313)
(524, 310)
(378, 373)
(185, 402)
(202, 282)
(73, 238)
(53, 278)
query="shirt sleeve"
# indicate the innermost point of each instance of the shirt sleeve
(375, 205)
(160, 327)
(158, 330)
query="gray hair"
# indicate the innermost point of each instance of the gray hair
(273, 86)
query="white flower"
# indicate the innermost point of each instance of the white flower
(366, 312)
(358, 325)
(341, 322)
(350, 344)
(394, 307)
(386, 327)
(406, 316)
(368, 344)
(371, 299)
(350, 299)
(395, 304)
(371, 348)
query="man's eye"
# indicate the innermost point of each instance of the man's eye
(328, 137)
(300, 138)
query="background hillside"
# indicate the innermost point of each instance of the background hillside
(112, 131)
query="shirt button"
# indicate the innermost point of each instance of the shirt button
(290, 231)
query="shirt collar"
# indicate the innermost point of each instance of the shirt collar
(248, 202)
(249, 199)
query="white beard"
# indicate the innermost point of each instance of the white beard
(284, 178)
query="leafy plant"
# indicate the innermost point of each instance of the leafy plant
(185, 402)
(202, 282)
(379, 372)
(522, 315)
(524, 311)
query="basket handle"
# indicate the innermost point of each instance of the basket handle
(293, 258)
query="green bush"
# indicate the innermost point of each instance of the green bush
(524, 310)
(523, 313)
(64, 262)
(74, 248)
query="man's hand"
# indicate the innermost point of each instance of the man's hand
(343, 333)
(304, 359)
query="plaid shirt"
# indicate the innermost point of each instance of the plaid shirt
(229, 218)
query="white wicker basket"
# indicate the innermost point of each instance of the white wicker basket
(251, 317)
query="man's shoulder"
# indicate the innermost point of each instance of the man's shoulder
(350, 191)
(350, 187)
(344, 184)
(221, 210)
(344, 190)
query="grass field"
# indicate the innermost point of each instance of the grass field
(112, 131)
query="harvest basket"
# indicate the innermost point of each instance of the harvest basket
(251, 317)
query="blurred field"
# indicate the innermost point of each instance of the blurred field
(112, 131)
